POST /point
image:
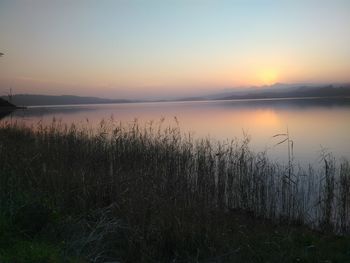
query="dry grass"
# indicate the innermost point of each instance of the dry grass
(159, 193)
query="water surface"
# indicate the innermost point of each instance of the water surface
(313, 124)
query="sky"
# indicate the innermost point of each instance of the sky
(154, 49)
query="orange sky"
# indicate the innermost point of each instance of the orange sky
(143, 49)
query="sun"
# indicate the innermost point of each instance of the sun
(268, 76)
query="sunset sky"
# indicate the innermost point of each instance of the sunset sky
(143, 49)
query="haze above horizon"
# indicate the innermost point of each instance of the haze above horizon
(150, 49)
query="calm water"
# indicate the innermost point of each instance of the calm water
(313, 124)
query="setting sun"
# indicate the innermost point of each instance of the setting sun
(268, 76)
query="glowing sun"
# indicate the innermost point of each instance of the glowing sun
(268, 76)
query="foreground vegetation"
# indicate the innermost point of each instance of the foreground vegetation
(145, 194)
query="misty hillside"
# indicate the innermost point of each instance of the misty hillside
(39, 100)
(274, 91)
(297, 92)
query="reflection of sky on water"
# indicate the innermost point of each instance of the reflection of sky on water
(311, 123)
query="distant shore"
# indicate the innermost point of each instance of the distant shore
(295, 92)
(12, 108)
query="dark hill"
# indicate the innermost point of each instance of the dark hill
(39, 100)
(6, 108)
(4, 104)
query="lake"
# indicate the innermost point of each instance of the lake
(313, 124)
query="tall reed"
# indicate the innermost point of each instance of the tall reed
(164, 183)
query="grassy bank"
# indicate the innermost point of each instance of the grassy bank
(146, 194)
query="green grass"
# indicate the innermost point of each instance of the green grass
(152, 194)
(30, 251)
(16, 246)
